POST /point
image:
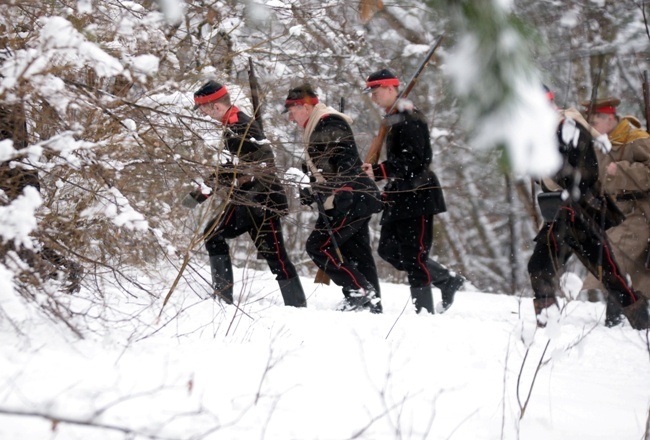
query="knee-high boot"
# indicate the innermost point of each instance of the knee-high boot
(292, 292)
(222, 279)
(422, 298)
(445, 281)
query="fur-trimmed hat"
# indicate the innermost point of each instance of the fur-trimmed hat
(209, 92)
(300, 95)
(383, 77)
(604, 105)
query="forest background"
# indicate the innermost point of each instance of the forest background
(107, 86)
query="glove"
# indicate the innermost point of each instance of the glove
(603, 144)
(306, 196)
(226, 174)
(194, 198)
(343, 199)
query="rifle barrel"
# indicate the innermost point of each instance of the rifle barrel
(404, 93)
(646, 107)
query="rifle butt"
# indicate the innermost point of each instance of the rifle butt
(322, 278)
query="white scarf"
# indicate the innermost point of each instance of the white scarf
(320, 110)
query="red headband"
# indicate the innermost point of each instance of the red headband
(313, 100)
(200, 100)
(383, 82)
(609, 109)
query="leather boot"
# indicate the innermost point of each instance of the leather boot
(638, 314)
(449, 290)
(422, 298)
(222, 279)
(292, 292)
(363, 299)
(439, 273)
(613, 312)
(540, 305)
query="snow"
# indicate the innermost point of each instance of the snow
(118, 209)
(147, 64)
(173, 10)
(295, 31)
(196, 368)
(7, 149)
(18, 219)
(58, 37)
(209, 371)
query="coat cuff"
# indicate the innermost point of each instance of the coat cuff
(379, 172)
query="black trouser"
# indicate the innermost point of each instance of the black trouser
(357, 270)
(406, 244)
(264, 228)
(575, 233)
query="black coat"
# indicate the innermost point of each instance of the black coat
(578, 175)
(413, 188)
(244, 139)
(334, 153)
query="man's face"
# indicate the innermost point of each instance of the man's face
(384, 96)
(299, 114)
(213, 109)
(604, 123)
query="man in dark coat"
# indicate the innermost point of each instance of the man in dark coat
(412, 195)
(346, 198)
(576, 215)
(257, 200)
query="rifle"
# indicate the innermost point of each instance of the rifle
(646, 108)
(603, 210)
(594, 90)
(321, 277)
(378, 141)
(646, 100)
(255, 94)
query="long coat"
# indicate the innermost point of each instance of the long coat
(413, 189)
(334, 154)
(630, 187)
(245, 140)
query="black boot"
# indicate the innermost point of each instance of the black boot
(361, 299)
(446, 282)
(638, 314)
(438, 273)
(422, 298)
(613, 312)
(222, 280)
(375, 304)
(540, 305)
(292, 292)
(449, 290)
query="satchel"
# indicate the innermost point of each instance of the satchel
(550, 204)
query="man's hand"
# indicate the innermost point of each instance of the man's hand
(306, 196)
(367, 168)
(612, 168)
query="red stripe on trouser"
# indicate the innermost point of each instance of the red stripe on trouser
(333, 260)
(617, 275)
(609, 258)
(277, 249)
(422, 249)
(232, 211)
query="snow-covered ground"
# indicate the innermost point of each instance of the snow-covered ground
(263, 371)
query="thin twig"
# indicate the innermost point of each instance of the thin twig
(532, 384)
